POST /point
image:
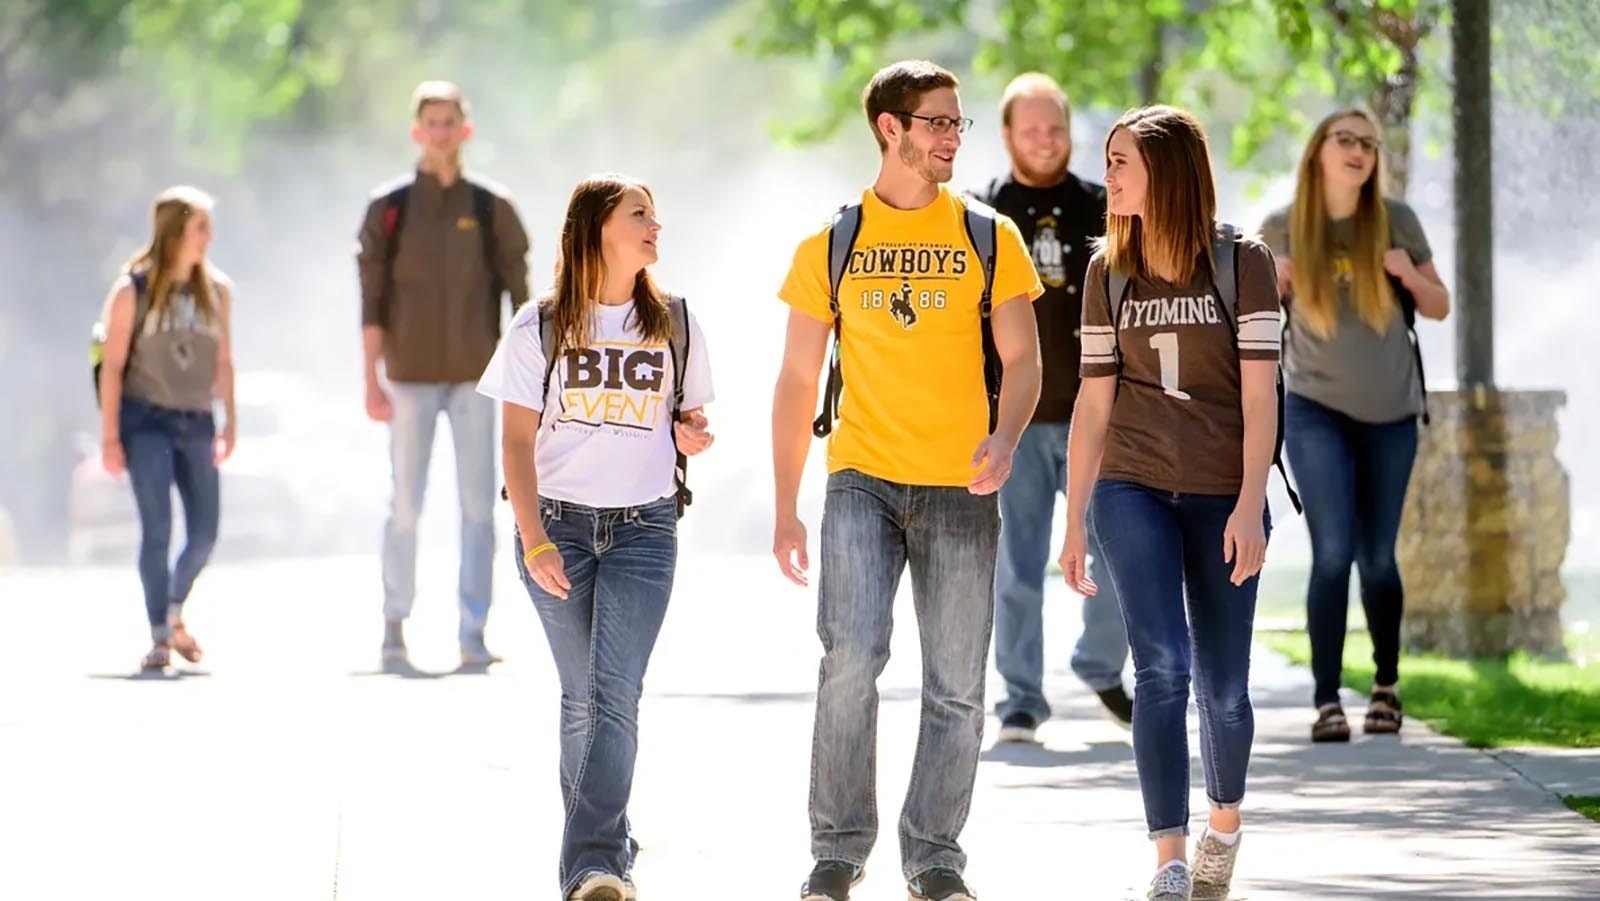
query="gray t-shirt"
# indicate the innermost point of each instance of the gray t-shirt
(1358, 372)
(172, 360)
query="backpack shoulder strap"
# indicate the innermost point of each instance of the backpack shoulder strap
(1225, 256)
(678, 344)
(982, 224)
(1117, 283)
(394, 217)
(141, 304)
(842, 236)
(547, 346)
(483, 211)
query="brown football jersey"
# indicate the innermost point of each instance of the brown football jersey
(1178, 423)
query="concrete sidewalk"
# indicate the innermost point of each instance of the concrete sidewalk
(286, 768)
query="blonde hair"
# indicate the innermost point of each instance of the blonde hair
(174, 208)
(1174, 231)
(1032, 84)
(437, 91)
(581, 269)
(1311, 261)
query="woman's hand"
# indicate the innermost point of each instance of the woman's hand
(225, 442)
(545, 566)
(112, 457)
(1398, 263)
(1074, 561)
(1244, 540)
(690, 432)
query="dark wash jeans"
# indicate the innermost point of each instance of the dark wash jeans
(620, 561)
(872, 530)
(166, 447)
(1164, 553)
(1352, 478)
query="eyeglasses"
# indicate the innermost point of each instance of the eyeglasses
(1349, 140)
(941, 124)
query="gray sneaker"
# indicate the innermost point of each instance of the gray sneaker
(1213, 867)
(1171, 884)
(474, 652)
(394, 641)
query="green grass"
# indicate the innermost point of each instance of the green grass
(1588, 806)
(1522, 700)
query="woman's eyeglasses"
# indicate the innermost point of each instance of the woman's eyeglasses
(1349, 140)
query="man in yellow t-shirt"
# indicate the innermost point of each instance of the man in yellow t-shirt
(913, 469)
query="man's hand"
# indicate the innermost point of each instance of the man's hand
(789, 547)
(994, 455)
(379, 409)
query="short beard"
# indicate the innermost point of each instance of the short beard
(922, 163)
(1042, 177)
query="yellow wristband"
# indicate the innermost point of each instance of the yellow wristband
(527, 559)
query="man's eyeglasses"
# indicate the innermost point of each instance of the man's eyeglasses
(1349, 140)
(941, 124)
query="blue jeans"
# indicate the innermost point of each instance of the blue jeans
(620, 562)
(1162, 549)
(1027, 507)
(166, 447)
(871, 530)
(416, 411)
(1352, 478)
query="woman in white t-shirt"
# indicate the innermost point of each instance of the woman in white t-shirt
(593, 433)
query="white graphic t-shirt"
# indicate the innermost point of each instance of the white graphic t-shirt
(605, 436)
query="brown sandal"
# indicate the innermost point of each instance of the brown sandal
(1331, 724)
(185, 645)
(1384, 713)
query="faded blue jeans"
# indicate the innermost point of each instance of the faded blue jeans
(416, 412)
(620, 562)
(871, 531)
(1163, 551)
(1027, 509)
(166, 447)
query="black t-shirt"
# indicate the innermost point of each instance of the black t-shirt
(1057, 224)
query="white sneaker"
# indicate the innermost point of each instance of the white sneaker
(600, 887)
(1171, 883)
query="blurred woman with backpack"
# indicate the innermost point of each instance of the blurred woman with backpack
(1354, 271)
(601, 385)
(167, 361)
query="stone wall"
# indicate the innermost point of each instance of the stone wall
(1486, 526)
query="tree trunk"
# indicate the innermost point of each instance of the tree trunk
(1150, 72)
(1392, 103)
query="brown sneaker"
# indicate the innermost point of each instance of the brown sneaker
(184, 643)
(1213, 867)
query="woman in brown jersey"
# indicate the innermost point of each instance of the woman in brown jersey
(1360, 271)
(1172, 438)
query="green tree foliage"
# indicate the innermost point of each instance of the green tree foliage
(1272, 58)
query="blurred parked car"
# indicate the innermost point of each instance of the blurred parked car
(307, 476)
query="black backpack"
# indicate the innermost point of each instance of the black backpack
(677, 345)
(97, 335)
(981, 225)
(1225, 251)
(394, 217)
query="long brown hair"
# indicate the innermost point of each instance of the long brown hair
(581, 268)
(1315, 296)
(158, 261)
(1175, 230)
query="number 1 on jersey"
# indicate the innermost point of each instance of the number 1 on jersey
(1166, 344)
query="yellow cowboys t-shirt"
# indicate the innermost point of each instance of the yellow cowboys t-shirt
(914, 407)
